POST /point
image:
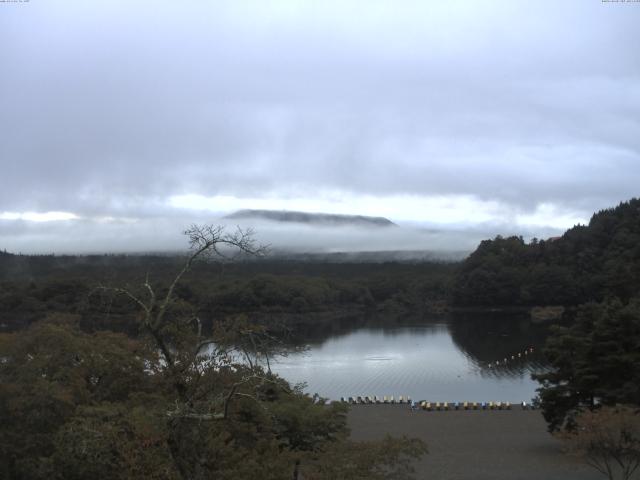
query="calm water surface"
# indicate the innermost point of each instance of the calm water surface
(444, 361)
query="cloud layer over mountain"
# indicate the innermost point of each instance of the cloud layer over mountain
(124, 118)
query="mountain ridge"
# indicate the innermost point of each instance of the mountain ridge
(292, 216)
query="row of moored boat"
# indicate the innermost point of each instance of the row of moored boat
(434, 406)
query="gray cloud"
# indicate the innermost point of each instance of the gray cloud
(110, 109)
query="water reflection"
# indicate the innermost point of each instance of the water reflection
(446, 359)
(494, 341)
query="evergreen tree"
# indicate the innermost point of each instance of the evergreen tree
(594, 362)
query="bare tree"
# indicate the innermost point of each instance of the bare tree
(205, 242)
(608, 439)
(202, 374)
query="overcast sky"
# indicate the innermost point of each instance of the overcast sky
(123, 121)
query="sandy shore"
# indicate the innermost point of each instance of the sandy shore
(474, 445)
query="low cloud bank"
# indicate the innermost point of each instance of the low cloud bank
(111, 235)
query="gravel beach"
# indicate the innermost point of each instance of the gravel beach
(474, 445)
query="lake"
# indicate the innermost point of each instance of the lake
(445, 359)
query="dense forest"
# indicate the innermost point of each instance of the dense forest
(588, 263)
(268, 291)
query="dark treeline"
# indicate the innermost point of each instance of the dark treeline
(267, 290)
(588, 263)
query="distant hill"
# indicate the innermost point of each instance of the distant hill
(286, 216)
(587, 263)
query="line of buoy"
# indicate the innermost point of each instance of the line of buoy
(507, 359)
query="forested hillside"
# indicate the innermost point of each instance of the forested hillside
(588, 263)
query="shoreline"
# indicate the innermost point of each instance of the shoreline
(473, 444)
